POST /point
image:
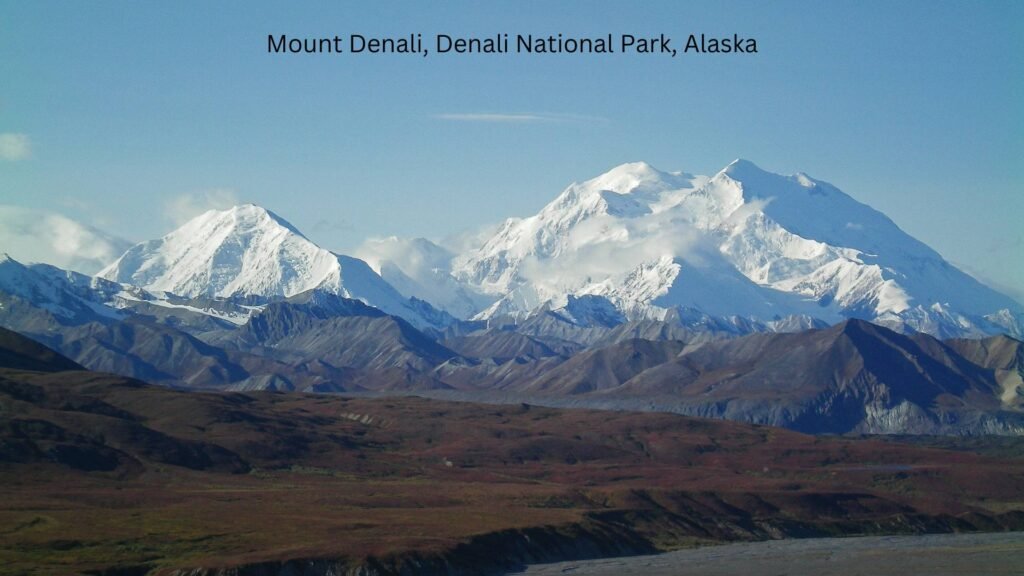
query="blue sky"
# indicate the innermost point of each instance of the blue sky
(132, 115)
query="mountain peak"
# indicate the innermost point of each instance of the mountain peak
(242, 250)
(247, 250)
(740, 169)
(855, 326)
(638, 178)
(745, 241)
(246, 216)
(638, 168)
(627, 178)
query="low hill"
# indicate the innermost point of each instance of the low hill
(105, 474)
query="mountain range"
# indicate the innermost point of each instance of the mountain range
(745, 295)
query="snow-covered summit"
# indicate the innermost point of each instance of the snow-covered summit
(224, 253)
(743, 241)
(248, 250)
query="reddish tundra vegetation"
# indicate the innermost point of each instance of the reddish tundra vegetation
(104, 474)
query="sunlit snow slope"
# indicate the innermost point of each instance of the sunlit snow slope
(744, 242)
(250, 251)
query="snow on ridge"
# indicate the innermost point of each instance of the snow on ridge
(647, 239)
(249, 251)
(224, 253)
(741, 243)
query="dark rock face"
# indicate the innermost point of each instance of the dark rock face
(853, 377)
(20, 353)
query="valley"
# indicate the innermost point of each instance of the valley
(107, 475)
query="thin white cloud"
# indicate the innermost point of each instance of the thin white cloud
(469, 239)
(41, 236)
(603, 250)
(416, 257)
(15, 147)
(184, 207)
(522, 118)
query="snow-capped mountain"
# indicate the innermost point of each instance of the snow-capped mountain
(743, 241)
(68, 295)
(73, 298)
(746, 246)
(250, 251)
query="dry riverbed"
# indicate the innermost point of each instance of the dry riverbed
(935, 555)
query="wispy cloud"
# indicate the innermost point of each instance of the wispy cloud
(15, 147)
(469, 239)
(42, 236)
(184, 207)
(519, 118)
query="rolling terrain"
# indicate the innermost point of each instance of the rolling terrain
(108, 475)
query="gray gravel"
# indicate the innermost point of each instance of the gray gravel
(933, 555)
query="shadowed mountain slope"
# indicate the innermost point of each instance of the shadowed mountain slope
(352, 485)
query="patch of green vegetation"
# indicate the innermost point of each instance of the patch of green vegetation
(554, 501)
(34, 523)
(992, 446)
(682, 543)
(313, 470)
